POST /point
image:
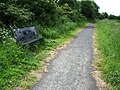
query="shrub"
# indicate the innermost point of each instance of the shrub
(12, 15)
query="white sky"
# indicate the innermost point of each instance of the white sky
(109, 6)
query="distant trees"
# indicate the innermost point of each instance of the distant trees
(112, 16)
(103, 15)
(118, 17)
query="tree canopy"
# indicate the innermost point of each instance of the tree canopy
(89, 9)
(47, 12)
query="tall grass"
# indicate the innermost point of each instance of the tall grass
(16, 61)
(108, 38)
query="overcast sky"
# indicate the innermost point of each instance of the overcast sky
(109, 6)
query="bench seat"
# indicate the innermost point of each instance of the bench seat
(26, 36)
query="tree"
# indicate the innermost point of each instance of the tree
(72, 3)
(73, 11)
(103, 15)
(112, 16)
(17, 11)
(89, 9)
(11, 14)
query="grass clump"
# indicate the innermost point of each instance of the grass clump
(108, 39)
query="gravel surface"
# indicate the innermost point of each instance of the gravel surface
(71, 68)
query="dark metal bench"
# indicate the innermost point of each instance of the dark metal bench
(26, 36)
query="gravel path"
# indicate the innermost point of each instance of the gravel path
(71, 68)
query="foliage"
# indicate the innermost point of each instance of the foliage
(103, 15)
(112, 16)
(72, 3)
(11, 14)
(72, 9)
(15, 61)
(45, 11)
(89, 9)
(108, 41)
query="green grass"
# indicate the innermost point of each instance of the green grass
(16, 61)
(108, 40)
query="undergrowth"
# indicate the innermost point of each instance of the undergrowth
(108, 39)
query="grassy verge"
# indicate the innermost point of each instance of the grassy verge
(16, 61)
(108, 41)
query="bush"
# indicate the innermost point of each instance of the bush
(12, 15)
(45, 11)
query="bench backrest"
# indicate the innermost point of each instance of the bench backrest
(25, 34)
